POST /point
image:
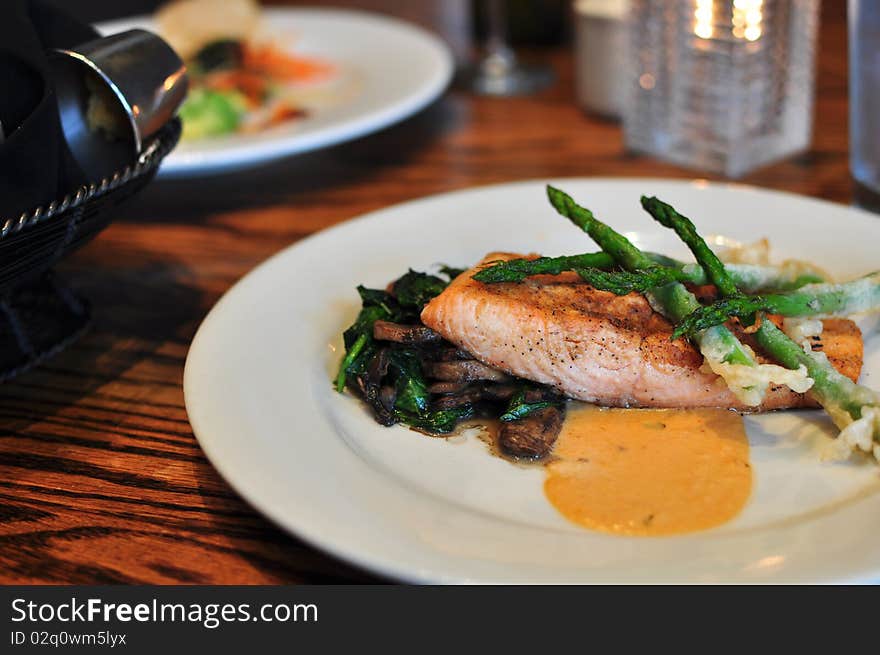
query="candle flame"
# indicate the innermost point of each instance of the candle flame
(747, 17)
(704, 19)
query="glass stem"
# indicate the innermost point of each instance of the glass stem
(499, 57)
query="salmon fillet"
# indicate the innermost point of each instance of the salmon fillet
(601, 348)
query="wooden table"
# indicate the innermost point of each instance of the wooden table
(101, 478)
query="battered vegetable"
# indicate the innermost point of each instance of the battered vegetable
(855, 409)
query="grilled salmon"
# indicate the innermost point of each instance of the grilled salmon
(598, 347)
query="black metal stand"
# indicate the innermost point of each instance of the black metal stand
(39, 315)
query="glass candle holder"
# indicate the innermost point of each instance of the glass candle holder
(723, 86)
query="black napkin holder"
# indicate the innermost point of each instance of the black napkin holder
(39, 315)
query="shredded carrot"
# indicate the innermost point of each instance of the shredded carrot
(277, 63)
(252, 85)
(283, 113)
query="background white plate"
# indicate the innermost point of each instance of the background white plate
(398, 69)
(258, 394)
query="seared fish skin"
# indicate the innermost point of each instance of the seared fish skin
(601, 348)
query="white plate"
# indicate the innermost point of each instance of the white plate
(395, 68)
(259, 398)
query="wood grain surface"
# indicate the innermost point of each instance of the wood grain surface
(101, 478)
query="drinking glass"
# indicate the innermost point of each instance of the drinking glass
(499, 72)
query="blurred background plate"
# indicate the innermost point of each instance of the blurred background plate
(395, 70)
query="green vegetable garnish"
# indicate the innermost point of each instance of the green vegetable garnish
(412, 390)
(415, 289)
(211, 113)
(439, 422)
(518, 408)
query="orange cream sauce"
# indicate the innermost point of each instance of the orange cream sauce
(649, 471)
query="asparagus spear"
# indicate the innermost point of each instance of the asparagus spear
(724, 277)
(624, 282)
(857, 296)
(719, 346)
(615, 244)
(517, 270)
(748, 277)
(753, 277)
(684, 228)
(855, 409)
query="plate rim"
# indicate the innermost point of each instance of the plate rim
(349, 553)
